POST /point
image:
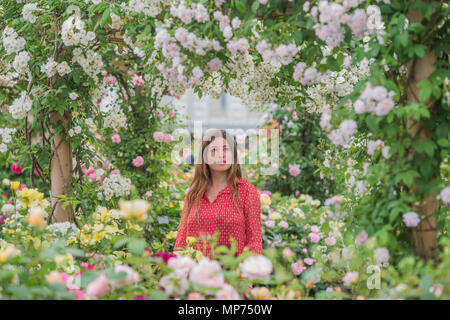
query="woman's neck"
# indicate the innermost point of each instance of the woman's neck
(219, 179)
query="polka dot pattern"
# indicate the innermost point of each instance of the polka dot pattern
(221, 216)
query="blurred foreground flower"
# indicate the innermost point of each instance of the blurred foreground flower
(134, 209)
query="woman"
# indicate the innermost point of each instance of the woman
(220, 200)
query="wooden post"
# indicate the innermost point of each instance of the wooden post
(420, 69)
(61, 170)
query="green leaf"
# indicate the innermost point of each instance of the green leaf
(76, 76)
(426, 145)
(425, 94)
(121, 242)
(403, 38)
(443, 142)
(137, 246)
(159, 295)
(420, 50)
(241, 6)
(255, 6)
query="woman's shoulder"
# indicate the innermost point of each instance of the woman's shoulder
(247, 186)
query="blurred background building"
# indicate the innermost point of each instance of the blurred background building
(227, 112)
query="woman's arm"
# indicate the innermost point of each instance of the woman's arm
(180, 241)
(252, 211)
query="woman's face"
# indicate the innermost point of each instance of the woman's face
(219, 155)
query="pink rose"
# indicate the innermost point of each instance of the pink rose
(314, 237)
(195, 296)
(227, 293)
(309, 261)
(270, 223)
(138, 161)
(115, 138)
(115, 171)
(138, 80)
(89, 171)
(287, 252)
(297, 269)
(130, 278)
(167, 137)
(79, 294)
(110, 80)
(294, 170)
(158, 136)
(99, 287)
(207, 273)
(17, 169)
(330, 241)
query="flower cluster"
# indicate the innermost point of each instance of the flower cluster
(375, 100)
(283, 54)
(372, 146)
(11, 42)
(342, 135)
(5, 134)
(105, 225)
(51, 67)
(329, 17)
(20, 63)
(114, 186)
(114, 117)
(189, 41)
(207, 276)
(306, 76)
(163, 137)
(27, 12)
(150, 8)
(411, 219)
(252, 81)
(63, 228)
(197, 11)
(31, 197)
(73, 32)
(21, 106)
(213, 85)
(91, 62)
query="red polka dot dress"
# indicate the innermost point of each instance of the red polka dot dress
(221, 216)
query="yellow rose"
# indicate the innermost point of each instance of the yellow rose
(265, 199)
(190, 240)
(134, 209)
(54, 277)
(171, 235)
(36, 217)
(8, 251)
(198, 255)
(261, 293)
(14, 185)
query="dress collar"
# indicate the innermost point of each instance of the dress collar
(239, 181)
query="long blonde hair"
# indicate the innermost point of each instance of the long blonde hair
(202, 174)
